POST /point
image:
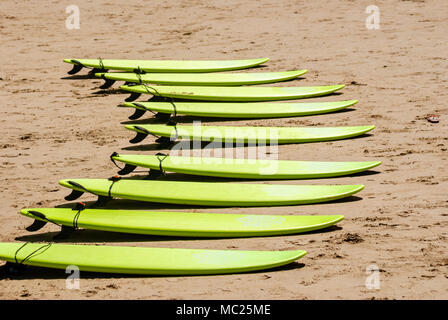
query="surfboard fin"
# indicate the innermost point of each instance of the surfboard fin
(75, 194)
(76, 68)
(65, 232)
(37, 225)
(134, 96)
(137, 114)
(107, 84)
(139, 137)
(162, 116)
(164, 140)
(101, 201)
(97, 70)
(128, 168)
(153, 174)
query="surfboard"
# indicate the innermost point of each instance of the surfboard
(209, 193)
(278, 135)
(238, 109)
(163, 65)
(143, 260)
(202, 79)
(242, 168)
(181, 224)
(244, 93)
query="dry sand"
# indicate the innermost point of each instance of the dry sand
(54, 128)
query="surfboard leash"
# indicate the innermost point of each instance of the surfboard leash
(174, 124)
(45, 246)
(157, 93)
(115, 154)
(161, 156)
(165, 116)
(77, 66)
(139, 75)
(174, 107)
(128, 168)
(153, 173)
(113, 179)
(139, 70)
(103, 200)
(65, 230)
(80, 206)
(140, 81)
(100, 61)
(169, 99)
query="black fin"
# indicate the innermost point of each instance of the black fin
(65, 232)
(107, 84)
(101, 201)
(75, 194)
(162, 116)
(97, 70)
(92, 72)
(164, 140)
(128, 168)
(153, 174)
(138, 138)
(76, 68)
(37, 225)
(134, 96)
(137, 114)
(77, 185)
(37, 214)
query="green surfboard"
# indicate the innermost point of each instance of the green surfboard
(144, 260)
(209, 193)
(271, 135)
(164, 65)
(203, 79)
(244, 93)
(182, 224)
(238, 109)
(243, 168)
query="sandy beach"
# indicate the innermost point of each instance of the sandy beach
(54, 126)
